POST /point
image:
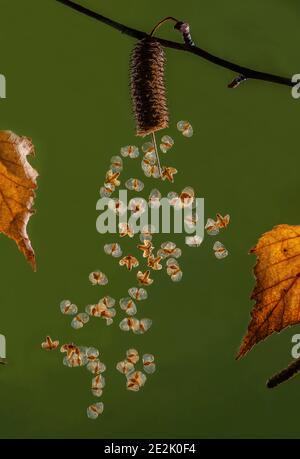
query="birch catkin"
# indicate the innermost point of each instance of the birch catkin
(148, 90)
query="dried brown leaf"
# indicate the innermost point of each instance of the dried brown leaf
(17, 185)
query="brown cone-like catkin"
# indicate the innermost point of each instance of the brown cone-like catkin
(148, 90)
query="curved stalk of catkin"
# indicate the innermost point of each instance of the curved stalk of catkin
(160, 23)
(156, 152)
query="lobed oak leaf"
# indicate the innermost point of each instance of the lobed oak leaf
(17, 185)
(277, 290)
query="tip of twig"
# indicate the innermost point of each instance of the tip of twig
(235, 83)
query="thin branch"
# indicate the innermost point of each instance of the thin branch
(138, 34)
(284, 375)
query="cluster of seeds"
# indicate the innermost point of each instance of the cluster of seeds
(104, 309)
(213, 228)
(168, 254)
(112, 177)
(70, 309)
(79, 356)
(128, 305)
(136, 379)
(149, 162)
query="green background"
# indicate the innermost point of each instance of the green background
(67, 89)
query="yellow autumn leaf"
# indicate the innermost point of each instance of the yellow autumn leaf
(17, 185)
(277, 290)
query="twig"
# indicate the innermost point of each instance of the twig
(138, 34)
(284, 375)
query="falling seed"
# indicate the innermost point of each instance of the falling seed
(92, 354)
(222, 222)
(75, 360)
(168, 173)
(125, 367)
(117, 206)
(154, 199)
(112, 178)
(138, 293)
(147, 248)
(129, 323)
(193, 241)
(148, 363)
(143, 326)
(166, 143)
(135, 380)
(137, 206)
(173, 198)
(211, 227)
(191, 221)
(134, 184)
(148, 147)
(182, 201)
(107, 301)
(94, 410)
(97, 386)
(144, 278)
(147, 232)
(101, 310)
(154, 263)
(150, 158)
(98, 278)
(69, 362)
(107, 190)
(174, 270)
(97, 392)
(50, 345)
(185, 128)
(125, 229)
(132, 356)
(96, 367)
(220, 250)
(150, 170)
(116, 164)
(70, 349)
(130, 151)
(129, 261)
(128, 306)
(68, 308)
(169, 249)
(80, 320)
(113, 249)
